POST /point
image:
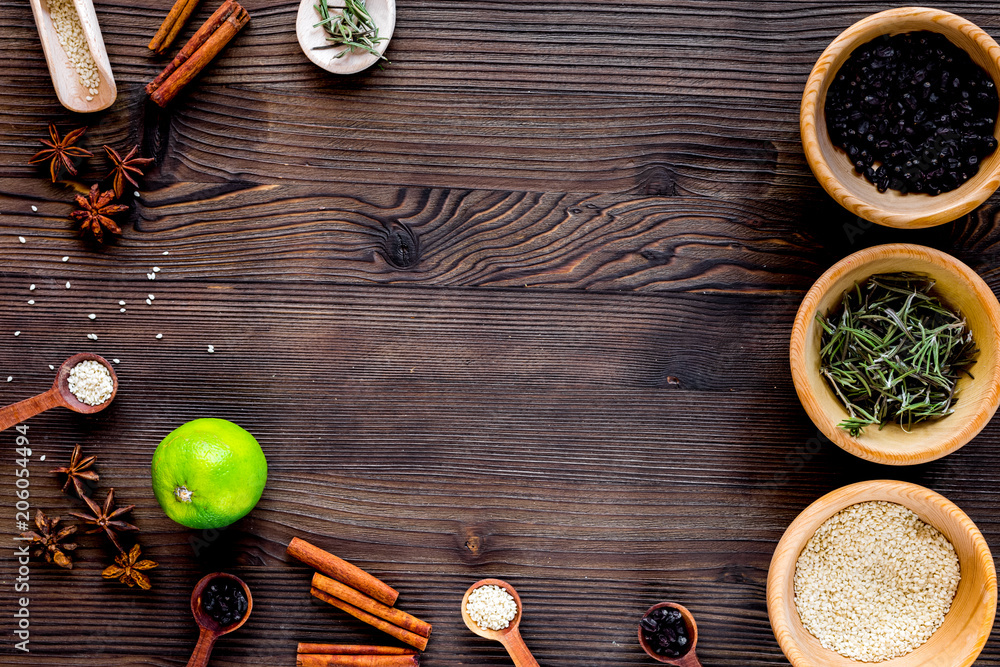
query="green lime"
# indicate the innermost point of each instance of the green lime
(208, 473)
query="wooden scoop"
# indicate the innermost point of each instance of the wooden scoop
(510, 637)
(69, 90)
(58, 395)
(310, 36)
(210, 628)
(688, 659)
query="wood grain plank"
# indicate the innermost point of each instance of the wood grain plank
(527, 435)
(706, 105)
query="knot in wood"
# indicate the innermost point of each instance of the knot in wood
(401, 247)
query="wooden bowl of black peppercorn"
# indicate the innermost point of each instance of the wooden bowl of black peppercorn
(917, 146)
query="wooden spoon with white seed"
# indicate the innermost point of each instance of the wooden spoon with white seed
(510, 636)
(58, 395)
(71, 93)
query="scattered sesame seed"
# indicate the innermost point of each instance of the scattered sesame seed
(92, 316)
(117, 361)
(156, 269)
(121, 303)
(21, 239)
(17, 333)
(136, 193)
(152, 298)
(51, 367)
(32, 287)
(42, 457)
(9, 378)
(34, 208)
(149, 302)
(92, 336)
(31, 302)
(66, 258)
(159, 336)
(166, 252)
(211, 348)
(121, 310)
(67, 284)
(151, 276)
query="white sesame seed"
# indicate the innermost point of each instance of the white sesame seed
(31, 302)
(67, 284)
(151, 276)
(92, 316)
(148, 302)
(9, 378)
(21, 239)
(69, 32)
(66, 258)
(121, 303)
(51, 367)
(875, 582)
(117, 361)
(92, 336)
(152, 298)
(122, 310)
(42, 457)
(34, 209)
(32, 287)
(166, 252)
(136, 193)
(17, 333)
(211, 348)
(491, 607)
(156, 269)
(159, 336)
(90, 381)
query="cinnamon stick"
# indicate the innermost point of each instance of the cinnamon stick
(171, 26)
(193, 59)
(197, 40)
(342, 571)
(353, 649)
(373, 607)
(411, 638)
(314, 660)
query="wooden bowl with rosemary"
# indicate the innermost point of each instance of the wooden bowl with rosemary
(967, 623)
(832, 166)
(966, 408)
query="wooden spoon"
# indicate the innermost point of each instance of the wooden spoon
(210, 628)
(689, 659)
(58, 395)
(69, 90)
(510, 637)
(310, 36)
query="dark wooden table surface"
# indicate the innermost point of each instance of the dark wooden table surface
(516, 306)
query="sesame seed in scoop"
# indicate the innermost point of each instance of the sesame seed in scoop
(491, 607)
(90, 381)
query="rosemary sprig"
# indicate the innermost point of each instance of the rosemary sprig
(353, 27)
(893, 352)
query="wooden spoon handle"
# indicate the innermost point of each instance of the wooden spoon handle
(519, 652)
(203, 649)
(18, 412)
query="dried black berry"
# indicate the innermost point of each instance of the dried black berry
(665, 632)
(225, 601)
(913, 112)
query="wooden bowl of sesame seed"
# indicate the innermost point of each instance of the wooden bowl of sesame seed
(962, 290)
(967, 624)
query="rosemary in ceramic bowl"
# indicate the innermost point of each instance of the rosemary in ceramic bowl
(353, 27)
(893, 352)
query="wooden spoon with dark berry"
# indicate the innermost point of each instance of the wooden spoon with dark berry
(220, 603)
(668, 634)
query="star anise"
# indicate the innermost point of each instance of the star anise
(77, 471)
(127, 569)
(121, 166)
(47, 541)
(106, 518)
(60, 151)
(94, 211)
